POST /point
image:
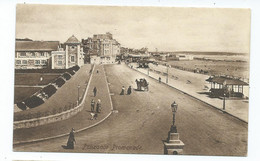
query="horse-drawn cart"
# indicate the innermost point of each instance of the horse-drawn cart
(142, 84)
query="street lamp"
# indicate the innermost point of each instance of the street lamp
(167, 73)
(174, 107)
(224, 99)
(224, 102)
(78, 92)
(173, 145)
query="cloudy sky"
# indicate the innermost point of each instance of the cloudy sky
(165, 28)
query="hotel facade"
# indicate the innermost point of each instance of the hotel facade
(101, 48)
(48, 54)
(34, 54)
(70, 54)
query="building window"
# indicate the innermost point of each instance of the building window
(18, 61)
(44, 62)
(42, 54)
(72, 59)
(59, 56)
(37, 62)
(33, 54)
(59, 62)
(22, 54)
(24, 61)
(235, 88)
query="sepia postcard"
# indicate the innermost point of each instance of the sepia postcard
(131, 80)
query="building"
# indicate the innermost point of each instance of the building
(227, 86)
(102, 48)
(48, 54)
(34, 54)
(179, 57)
(68, 55)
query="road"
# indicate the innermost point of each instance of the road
(143, 121)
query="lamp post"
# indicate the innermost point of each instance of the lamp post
(78, 92)
(224, 99)
(167, 73)
(224, 102)
(174, 107)
(173, 145)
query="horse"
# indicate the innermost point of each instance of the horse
(142, 83)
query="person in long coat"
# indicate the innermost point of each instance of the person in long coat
(71, 140)
(95, 91)
(92, 105)
(129, 90)
(98, 108)
(122, 91)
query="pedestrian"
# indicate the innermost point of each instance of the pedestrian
(98, 108)
(95, 91)
(97, 70)
(41, 79)
(160, 79)
(123, 90)
(71, 140)
(129, 90)
(92, 105)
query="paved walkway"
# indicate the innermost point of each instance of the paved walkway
(237, 108)
(79, 121)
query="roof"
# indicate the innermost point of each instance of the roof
(72, 40)
(25, 39)
(36, 45)
(226, 80)
(102, 36)
(138, 55)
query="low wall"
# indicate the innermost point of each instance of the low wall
(48, 119)
(52, 118)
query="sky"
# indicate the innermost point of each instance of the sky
(164, 28)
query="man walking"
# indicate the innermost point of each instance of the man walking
(95, 91)
(92, 105)
(98, 108)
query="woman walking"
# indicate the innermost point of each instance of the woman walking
(71, 140)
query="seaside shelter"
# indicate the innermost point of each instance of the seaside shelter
(137, 57)
(231, 87)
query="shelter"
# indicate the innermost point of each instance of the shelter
(231, 87)
(138, 57)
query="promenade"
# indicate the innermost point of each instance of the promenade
(80, 121)
(142, 120)
(196, 88)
